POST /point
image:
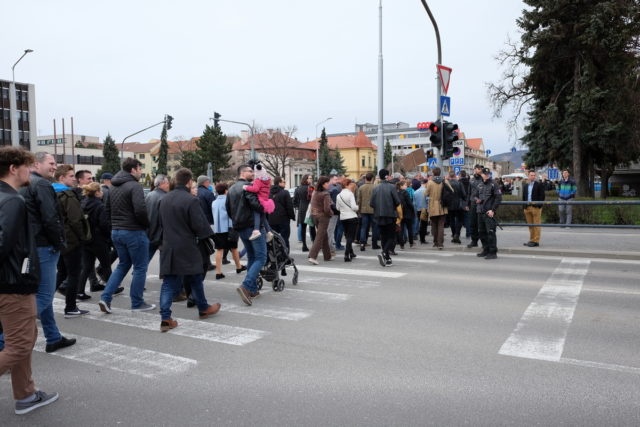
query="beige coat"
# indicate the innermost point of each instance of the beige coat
(434, 193)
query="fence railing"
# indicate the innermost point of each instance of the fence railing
(571, 203)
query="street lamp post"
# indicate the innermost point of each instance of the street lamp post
(318, 147)
(13, 102)
(253, 151)
(166, 119)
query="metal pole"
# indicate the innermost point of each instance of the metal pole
(380, 97)
(140, 131)
(439, 86)
(55, 140)
(13, 102)
(64, 145)
(253, 157)
(73, 146)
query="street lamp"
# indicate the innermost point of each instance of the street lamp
(253, 151)
(13, 101)
(318, 147)
(167, 122)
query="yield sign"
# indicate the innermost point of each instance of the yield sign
(445, 75)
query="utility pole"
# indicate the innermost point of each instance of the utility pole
(381, 164)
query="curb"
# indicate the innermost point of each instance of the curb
(632, 256)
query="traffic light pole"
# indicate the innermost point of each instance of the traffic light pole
(253, 151)
(134, 134)
(439, 85)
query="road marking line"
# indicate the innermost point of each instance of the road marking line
(542, 330)
(347, 271)
(611, 291)
(399, 259)
(119, 357)
(207, 331)
(309, 295)
(352, 283)
(598, 365)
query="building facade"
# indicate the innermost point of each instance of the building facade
(17, 114)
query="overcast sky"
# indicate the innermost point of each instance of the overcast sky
(119, 66)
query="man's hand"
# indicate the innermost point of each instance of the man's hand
(490, 214)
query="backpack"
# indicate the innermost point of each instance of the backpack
(449, 197)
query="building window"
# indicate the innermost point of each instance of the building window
(363, 161)
(141, 156)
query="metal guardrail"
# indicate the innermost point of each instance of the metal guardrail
(572, 203)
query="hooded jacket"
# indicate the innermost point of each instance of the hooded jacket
(126, 205)
(434, 193)
(283, 211)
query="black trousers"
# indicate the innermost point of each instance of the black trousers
(312, 232)
(284, 230)
(423, 231)
(69, 266)
(387, 238)
(475, 233)
(98, 249)
(456, 219)
(487, 230)
(350, 227)
(408, 223)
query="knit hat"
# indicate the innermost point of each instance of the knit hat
(383, 174)
(106, 175)
(202, 179)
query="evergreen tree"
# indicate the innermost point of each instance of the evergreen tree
(326, 160)
(388, 154)
(111, 157)
(337, 163)
(164, 152)
(212, 147)
(579, 84)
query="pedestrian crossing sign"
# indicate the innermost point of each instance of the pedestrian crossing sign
(445, 105)
(432, 163)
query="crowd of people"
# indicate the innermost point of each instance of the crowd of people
(55, 223)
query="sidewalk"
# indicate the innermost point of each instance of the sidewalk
(588, 243)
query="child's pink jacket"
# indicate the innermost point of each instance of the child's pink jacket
(262, 188)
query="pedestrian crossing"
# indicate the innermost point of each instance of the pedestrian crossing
(294, 304)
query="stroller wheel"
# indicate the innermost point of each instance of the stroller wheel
(259, 282)
(280, 285)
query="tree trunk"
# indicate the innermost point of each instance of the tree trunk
(579, 172)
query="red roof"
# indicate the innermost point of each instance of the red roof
(345, 142)
(474, 143)
(137, 147)
(178, 146)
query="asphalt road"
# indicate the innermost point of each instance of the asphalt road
(440, 338)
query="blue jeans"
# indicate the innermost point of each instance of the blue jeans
(299, 232)
(133, 248)
(338, 236)
(367, 220)
(172, 285)
(256, 257)
(44, 298)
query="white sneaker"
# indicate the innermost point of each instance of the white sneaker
(269, 236)
(255, 235)
(313, 261)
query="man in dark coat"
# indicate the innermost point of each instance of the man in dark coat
(533, 191)
(184, 227)
(301, 200)
(206, 198)
(280, 219)
(18, 282)
(384, 201)
(152, 200)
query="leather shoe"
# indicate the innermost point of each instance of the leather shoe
(210, 311)
(62, 343)
(532, 244)
(491, 256)
(482, 254)
(166, 325)
(244, 295)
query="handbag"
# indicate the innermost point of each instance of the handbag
(308, 219)
(208, 245)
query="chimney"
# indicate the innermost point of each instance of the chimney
(244, 136)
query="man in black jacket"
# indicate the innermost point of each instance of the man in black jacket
(18, 281)
(486, 200)
(384, 201)
(129, 222)
(240, 206)
(533, 191)
(46, 223)
(184, 227)
(280, 219)
(474, 182)
(206, 198)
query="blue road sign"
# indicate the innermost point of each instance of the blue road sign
(514, 149)
(488, 152)
(553, 173)
(445, 105)
(457, 170)
(432, 163)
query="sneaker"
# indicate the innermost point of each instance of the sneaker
(389, 262)
(210, 311)
(482, 254)
(313, 261)
(105, 307)
(254, 235)
(62, 343)
(97, 288)
(241, 269)
(119, 290)
(361, 248)
(269, 236)
(168, 324)
(381, 260)
(83, 297)
(42, 399)
(144, 307)
(75, 313)
(244, 295)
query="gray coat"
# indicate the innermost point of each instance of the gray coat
(384, 200)
(153, 205)
(183, 226)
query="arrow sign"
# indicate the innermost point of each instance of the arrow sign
(445, 105)
(445, 75)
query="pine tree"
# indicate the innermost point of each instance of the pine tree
(388, 153)
(111, 157)
(326, 161)
(338, 163)
(164, 152)
(212, 147)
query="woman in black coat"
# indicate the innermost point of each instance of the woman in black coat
(99, 246)
(301, 200)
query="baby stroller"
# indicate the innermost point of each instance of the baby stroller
(277, 259)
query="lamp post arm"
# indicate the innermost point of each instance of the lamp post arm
(134, 134)
(13, 74)
(253, 152)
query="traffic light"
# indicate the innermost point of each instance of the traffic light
(436, 137)
(450, 136)
(216, 116)
(167, 121)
